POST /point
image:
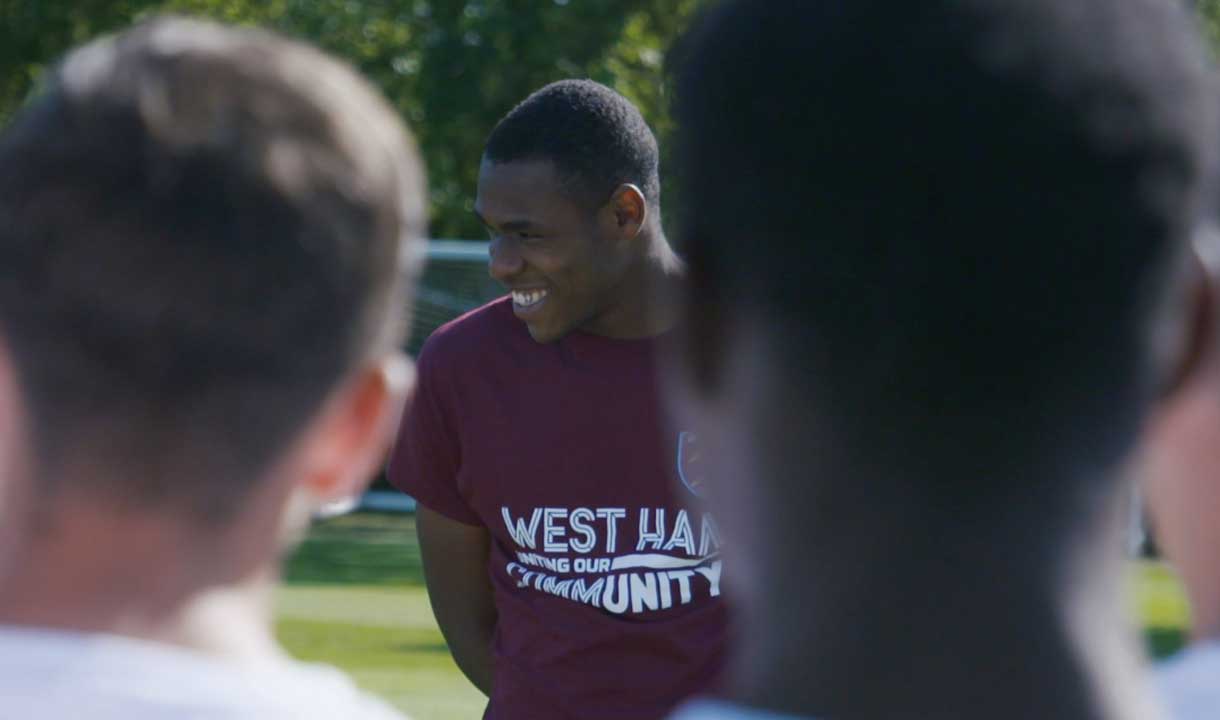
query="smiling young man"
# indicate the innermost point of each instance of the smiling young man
(567, 573)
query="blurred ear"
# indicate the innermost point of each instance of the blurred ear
(351, 438)
(1191, 341)
(626, 212)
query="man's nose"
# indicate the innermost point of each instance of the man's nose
(504, 260)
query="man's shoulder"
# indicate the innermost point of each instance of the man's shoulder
(53, 674)
(1190, 682)
(470, 333)
(321, 691)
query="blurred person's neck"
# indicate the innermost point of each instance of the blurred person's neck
(908, 617)
(79, 568)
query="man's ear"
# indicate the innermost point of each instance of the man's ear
(1192, 346)
(627, 211)
(349, 443)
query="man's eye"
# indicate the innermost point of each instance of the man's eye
(527, 236)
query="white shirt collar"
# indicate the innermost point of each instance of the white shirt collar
(1190, 682)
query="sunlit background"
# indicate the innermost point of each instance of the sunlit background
(353, 594)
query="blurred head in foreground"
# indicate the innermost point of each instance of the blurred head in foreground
(1182, 488)
(932, 250)
(207, 253)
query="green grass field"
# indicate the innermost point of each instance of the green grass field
(354, 597)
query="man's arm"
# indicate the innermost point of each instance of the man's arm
(455, 559)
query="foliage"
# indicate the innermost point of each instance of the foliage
(1209, 13)
(33, 33)
(452, 67)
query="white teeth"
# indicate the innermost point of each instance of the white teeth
(526, 298)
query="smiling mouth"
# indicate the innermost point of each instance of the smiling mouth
(528, 298)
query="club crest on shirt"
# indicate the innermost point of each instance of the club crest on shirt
(690, 470)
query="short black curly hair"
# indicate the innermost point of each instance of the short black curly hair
(595, 137)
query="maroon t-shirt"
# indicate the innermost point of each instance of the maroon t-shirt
(606, 577)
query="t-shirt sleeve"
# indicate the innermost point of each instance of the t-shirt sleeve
(427, 453)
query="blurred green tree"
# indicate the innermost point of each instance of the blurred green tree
(34, 33)
(452, 67)
(1209, 12)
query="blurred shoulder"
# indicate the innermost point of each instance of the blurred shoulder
(1190, 682)
(462, 339)
(327, 692)
(53, 674)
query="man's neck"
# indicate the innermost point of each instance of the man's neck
(648, 303)
(944, 628)
(96, 573)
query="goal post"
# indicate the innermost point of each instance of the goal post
(455, 281)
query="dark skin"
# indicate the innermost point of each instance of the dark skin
(579, 266)
(596, 263)
(455, 568)
(948, 620)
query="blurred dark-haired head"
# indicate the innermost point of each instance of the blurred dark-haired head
(950, 224)
(938, 272)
